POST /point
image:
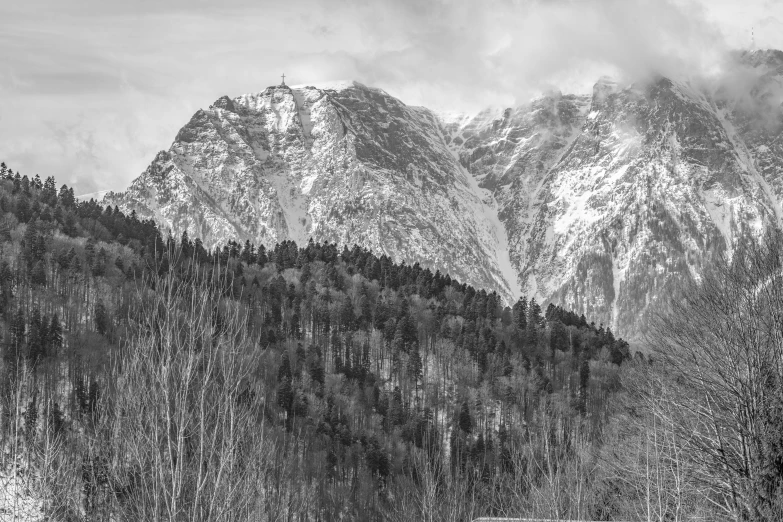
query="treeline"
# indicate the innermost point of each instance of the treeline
(154, 378)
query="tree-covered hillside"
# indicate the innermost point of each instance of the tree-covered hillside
(146, 378)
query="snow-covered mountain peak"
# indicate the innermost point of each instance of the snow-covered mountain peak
(343, 163)
(603, 203)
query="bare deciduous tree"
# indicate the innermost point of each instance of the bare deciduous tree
(187, 443)
(721, 350)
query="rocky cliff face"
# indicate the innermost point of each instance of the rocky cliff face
(342, 163)
(648, 189)
(603, 203)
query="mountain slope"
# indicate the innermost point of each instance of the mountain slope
(648, 193)
(615, 200)
(602, 203)
(347, 163)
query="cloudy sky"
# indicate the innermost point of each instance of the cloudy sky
(90, 90)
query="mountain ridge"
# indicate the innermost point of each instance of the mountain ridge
(603, 203)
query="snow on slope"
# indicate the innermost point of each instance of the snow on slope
(343, 163)
(601, 203)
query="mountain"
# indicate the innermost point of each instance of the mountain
(614, 199)
(343, 163)
(601, 203)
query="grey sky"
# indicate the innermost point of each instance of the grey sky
(91, 89)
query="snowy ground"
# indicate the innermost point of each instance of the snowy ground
(17, 501)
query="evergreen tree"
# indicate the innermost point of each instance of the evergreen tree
(558, 337)
(37, 337)
(38, 274)
(465, 422)
(93, 396)
(66, 197)
(69, 225)
(519, 313)
(101, 318)
(409, 331)
(284, 371)
(5, 231)
(50, 192)
(534, 318)
(89, 252)
(399, 338)
(31, 419)
(620, 351)
(18, 329)
(55, 333)
(285, 395)
(396, 410)
(56, 421)
(81, 395)
(23, 212)
(414, 365)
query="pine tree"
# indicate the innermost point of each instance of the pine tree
(284, 371)
(101, 318)
(248, 252)
(396, 411)
(66, 197)
(99, 263)
(317, 374)
(80, 391)
(398, 342)
(519, 313)
(5, 231)
(23, 212)
(337, 352)
(36, 338)
(38, 274)
(29, 244)
(69, 225)
(93, 396)
(534, 319)
(414, 365)
(410, 331)
(558, 337)
(50, 192)
(465, 422)
(18, 329)
(31, 419)
(55, 333)
(620, 351)
(89, 252)
(285, 395)
(56, 421)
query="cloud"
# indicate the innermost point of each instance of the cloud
(470, 53)
(90, 90)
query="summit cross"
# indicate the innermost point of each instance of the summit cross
(283, 77)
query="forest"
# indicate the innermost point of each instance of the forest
(146, 377)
